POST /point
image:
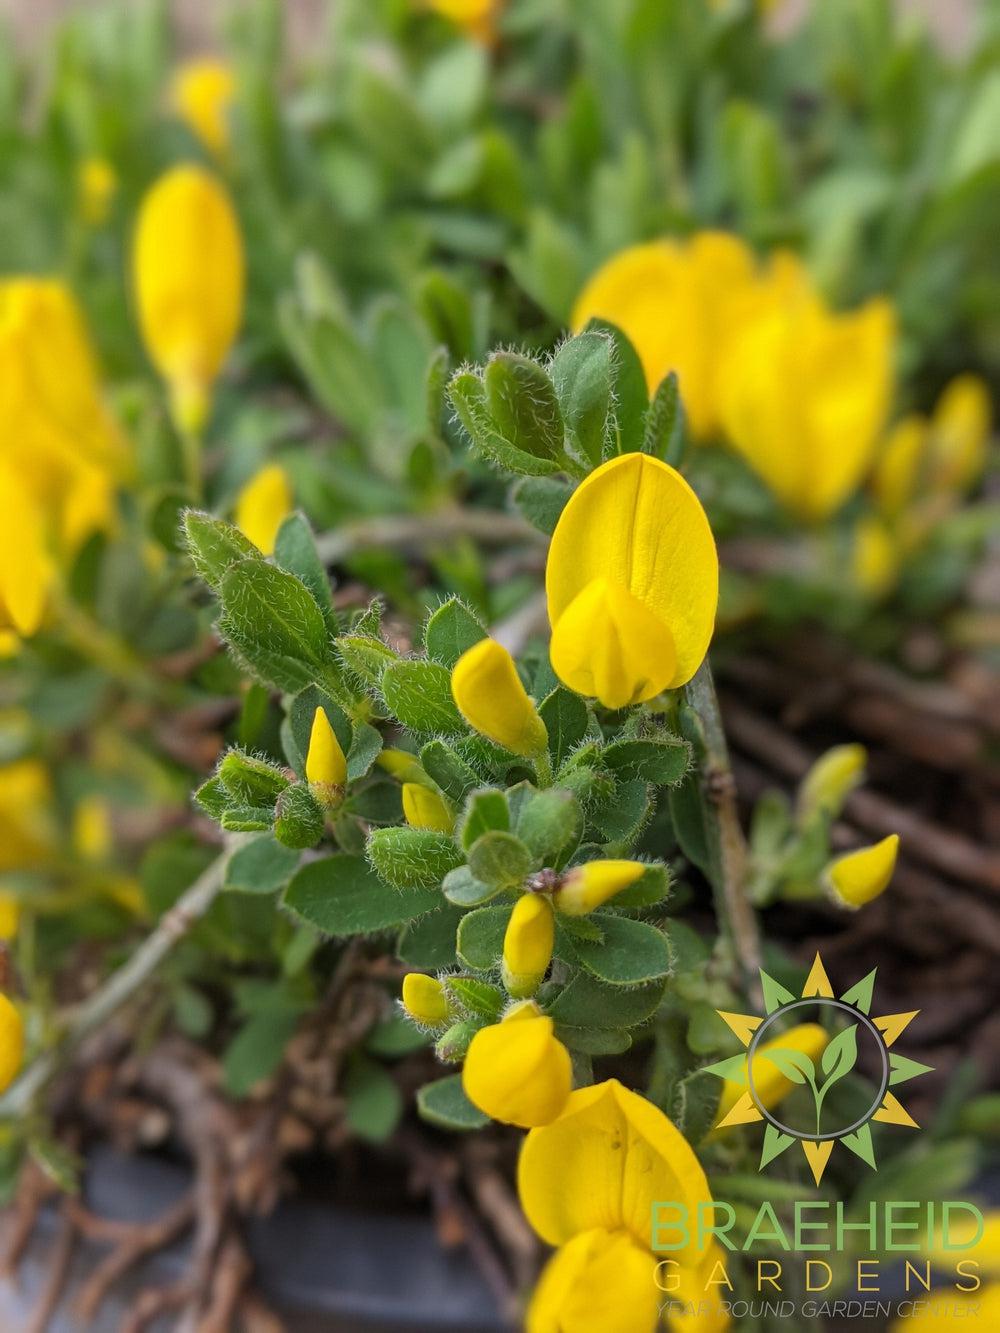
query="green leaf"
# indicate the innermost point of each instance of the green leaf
(630, 953)
(257, 1049)
(374, 1102)
(445, 1104)
(461, 887)
(664, 437)
(582, 374)
(418, 694)
(477, 998)
(565, 716)
(261, 866)
(549, 823)
(651, 889)
(295, 551)
(339, 370)
(216, 546)
(429, 943)
(412, 857)
(663, 762)
(366, 746)
(594, 1041)
(588, 1002)
(631, 397)
(213, 798)
(840, 1055)
(342, 895)
(687, 813)
(365, 657)
(486, 811)
(247, 818)
(500, 860)
(695, 1104)
(274, 624)
(480, 937)
(448, 769)
(451, 630)
(522, 401)
(249, 780)
(468, 397)
(377, 803)
(298, 820)
(541, 500)
(626, 813)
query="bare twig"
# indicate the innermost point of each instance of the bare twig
(57, 1272)
(141, 1239)
(423, 531)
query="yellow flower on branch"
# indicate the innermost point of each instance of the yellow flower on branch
(202, 94)
(263, 505)
(423, 808)
(26, 572)
(189, 276)
(586, 887)
(425, 1001)
(830, 781)
(491, 698)
(632, 583)
(857, 877)
(517, 1070)
(326, 763)
(527, 944)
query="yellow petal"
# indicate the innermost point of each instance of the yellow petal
(610, 646)
(517, 1071)
(858, 877)
(637, 525)
(26, 573)
(92, 835)
(202, 93)
(423, 808)
(425, 1001)
(26, 826)
(598, 1282)
(527, 944)
(188, 271)
(11, 1042)
(831, 779)
(588, 886)
(896, 477)
(98, 184)
(603, 1163)
(10, 915)
(770, 1084)
(491, 698)
(263, 505)
(959, 433)
(326, 765)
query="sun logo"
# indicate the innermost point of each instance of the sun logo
(829, 1119)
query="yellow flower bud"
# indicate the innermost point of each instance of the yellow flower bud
(588, 886)
(425, 1001)
(831, 780)
(858, 877)
(960, 431)
(26, 573)
(401, 764)
(26, 827)
(896, 476)
(491, 698)
(11, 1042)
(423, 808)
(98, 185)
(92, 829)
(188, 266)
(263, 505)
(875, 557)
(632, 583)
(10, 916)
(326, 765)
(598, 1282)
(770, 1084)
(202, 94)
(517, 1070)
(527, 944)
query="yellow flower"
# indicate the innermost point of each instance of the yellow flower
(875, 557)
(517, 1070)
(675, 301)
(26, 573)
(98, 185)
(603, 1163)
(804, 394)
(858, 877)
(10, 915)
(960, 430)
(326, 764)
(92, 838)
(263, 505)
(770, 1084)
(188, 267)
(425, 1001)
(402, 765)
(831, 780)
(599, 1282)
(527, 944)
(632, 582)
(896, 477)
(26, 830)
(476, 17)
(202, 94)
(491, 698)
(588, 886)
(423, 808)
(11, 1042)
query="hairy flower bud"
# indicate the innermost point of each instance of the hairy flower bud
(829, 782)
(517, 1070)
(202, 94)
(527, 944)
(425, 1001)
(423, 808)
(326, 764)
(262, 506)
(588, 886)
(491, 698)
(857, 877)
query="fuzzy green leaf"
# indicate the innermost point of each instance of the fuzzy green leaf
(412, 857)
(342, 895)
(480, 937)
(630, 953)
(445, 1105)
(419, 695)
(451, 630)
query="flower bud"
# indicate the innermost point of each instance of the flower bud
(858, 877)
(189, 271)
(517, 1071)
(97, 183)
(425, 1001)
(875, 557)
(491, 698)
(326, 766)
(423, 808)
(10, 916)
(11, 1042)
(588, 886)
(26, 572)
(202, 94)
(829, 782)
(527, 944)
(262, 506)
(960, 432)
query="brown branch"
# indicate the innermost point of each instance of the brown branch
(57, 1272)
(138, 1241)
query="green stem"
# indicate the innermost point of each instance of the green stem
(543, 769)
